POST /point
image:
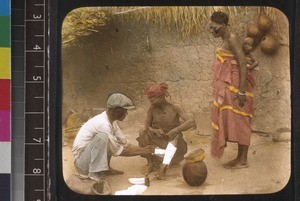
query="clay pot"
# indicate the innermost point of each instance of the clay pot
(269, 44)
(194, 174)
(264, 22)
(253, 31)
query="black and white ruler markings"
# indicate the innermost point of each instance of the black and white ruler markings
(36, 100)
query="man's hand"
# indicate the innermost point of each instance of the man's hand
(149, 149)
(158, 132)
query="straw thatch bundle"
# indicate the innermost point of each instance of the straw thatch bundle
(187, 20)
(82, 22)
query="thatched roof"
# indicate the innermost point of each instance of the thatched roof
(187, 20)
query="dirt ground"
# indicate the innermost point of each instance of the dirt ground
(268, 172)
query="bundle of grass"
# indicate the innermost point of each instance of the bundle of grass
(186, 20)
(82, 22)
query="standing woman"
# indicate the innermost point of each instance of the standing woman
(233, 97)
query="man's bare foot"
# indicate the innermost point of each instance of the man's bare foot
(96, 176)
(162, 172)
(237, 165)
(112, 171)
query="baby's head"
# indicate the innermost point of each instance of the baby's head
(248, 44)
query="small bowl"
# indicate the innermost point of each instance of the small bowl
(195, 155)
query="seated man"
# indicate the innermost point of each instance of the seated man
(163, 129)
(100, 138)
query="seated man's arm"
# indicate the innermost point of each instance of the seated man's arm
(132, 150)
(187, 123)
(149, 118)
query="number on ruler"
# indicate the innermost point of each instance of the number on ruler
(36, 47)
(36, 171)
(38, 140)
(36, 16)
(36, 78)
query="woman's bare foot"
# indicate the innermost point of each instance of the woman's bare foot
(237, 165)
(232, 162)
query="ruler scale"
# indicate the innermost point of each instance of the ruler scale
(36, 88)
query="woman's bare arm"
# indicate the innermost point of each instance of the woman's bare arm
(237, 50)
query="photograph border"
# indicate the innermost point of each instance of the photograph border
(59, 9)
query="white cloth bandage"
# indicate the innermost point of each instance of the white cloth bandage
(158, 151)
(170, 151)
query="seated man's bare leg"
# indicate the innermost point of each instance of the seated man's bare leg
(170, 152)
(153, 163)
(181, 151)
(146, 138)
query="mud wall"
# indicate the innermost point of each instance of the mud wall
(127, 56)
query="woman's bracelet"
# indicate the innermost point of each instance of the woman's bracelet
(242, 94)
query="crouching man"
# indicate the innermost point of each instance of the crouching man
(163, 128)
(100, 138)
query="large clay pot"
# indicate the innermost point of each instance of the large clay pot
(253, 31)
(269, 44)
(194, 174)
(264, 22)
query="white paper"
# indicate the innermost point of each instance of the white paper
(132, 190)
(137, 180)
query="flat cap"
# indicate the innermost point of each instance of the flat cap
(119, 100)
